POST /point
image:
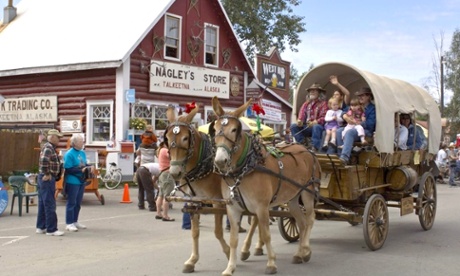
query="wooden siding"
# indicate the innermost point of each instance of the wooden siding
(72, 89)
(19, 151)
(192, 22)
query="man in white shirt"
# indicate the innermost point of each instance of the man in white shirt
(441, 162)
(401, 135)
(147, 175)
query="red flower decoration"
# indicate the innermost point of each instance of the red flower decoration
(258, 109)
(189, 107)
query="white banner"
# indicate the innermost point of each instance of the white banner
(272, 110)
(29, 109)
(179, 79)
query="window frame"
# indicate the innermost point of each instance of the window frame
(179, 38)
(90, 121)
(216, 62)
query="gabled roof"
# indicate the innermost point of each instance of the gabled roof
(64, 35)
(61, 35)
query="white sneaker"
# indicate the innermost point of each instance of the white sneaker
(56, 233)
(79, 225)
(40, 231)
(71, 228)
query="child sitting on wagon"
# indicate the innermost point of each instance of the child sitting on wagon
(356, 115)
(333, 120)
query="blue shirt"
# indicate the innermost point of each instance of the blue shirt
(419, 139)
(369, 124)
(74, 161)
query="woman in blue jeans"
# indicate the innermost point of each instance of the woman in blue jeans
(76, 172)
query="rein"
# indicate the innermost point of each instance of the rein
(252, 159)
(205, 161)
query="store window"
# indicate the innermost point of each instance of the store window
(172, 37)
(143, 111)
(211, 47)
(99, 126)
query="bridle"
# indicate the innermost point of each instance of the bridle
(173, 144)
(205, 163)
(235, 143)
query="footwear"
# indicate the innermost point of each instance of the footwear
(40, 231)
(141, 207)
(324, 148)
(55, 233)
(152, 209)
(332, 145)
(241, 230)
(364, 143)
(168, 219)
(313, 149)
(79, 225)
(71, 228)
(227, 227)
(344, 161)
(158, 217)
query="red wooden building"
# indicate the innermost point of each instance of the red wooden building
(89, 66)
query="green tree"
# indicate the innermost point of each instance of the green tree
(262, 24)
(452, 82)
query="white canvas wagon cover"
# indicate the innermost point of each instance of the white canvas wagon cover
(390, 96)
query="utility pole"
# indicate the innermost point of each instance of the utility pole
(442, 86)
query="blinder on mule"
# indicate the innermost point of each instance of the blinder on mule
(176, 130)
(224, 123)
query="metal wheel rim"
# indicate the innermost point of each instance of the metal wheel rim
(375, 222)
(288, 229)
(117, 178)
(426, 201)
(109, 182)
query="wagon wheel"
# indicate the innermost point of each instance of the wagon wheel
(426, 201)
(375, 222)
(288, 229)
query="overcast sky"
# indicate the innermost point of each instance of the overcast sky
(393, 38)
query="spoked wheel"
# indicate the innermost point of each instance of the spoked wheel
(288, 229)
(375, 222)
(112, 181)
(426, 201)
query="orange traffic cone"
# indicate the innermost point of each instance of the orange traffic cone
(126, 198)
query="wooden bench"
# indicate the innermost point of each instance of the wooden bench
(329, 161)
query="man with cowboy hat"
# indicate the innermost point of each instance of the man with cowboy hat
(310, 122)
(365, 97)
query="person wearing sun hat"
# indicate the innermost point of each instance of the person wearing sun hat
(311, 118)
(49, 168)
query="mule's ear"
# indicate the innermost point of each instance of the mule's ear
(240, 111)
(170, 114)
(211, 130)
(192, 114)
(217, 107)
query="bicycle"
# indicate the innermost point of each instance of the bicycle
(112, 177)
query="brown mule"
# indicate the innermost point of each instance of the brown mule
(191, 155)
(256, 181)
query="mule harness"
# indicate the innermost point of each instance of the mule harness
(205, 157)
(252, 159)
